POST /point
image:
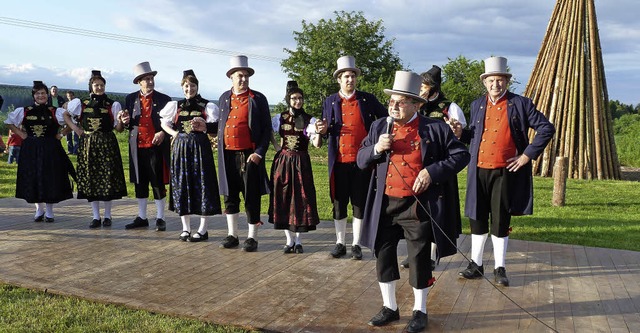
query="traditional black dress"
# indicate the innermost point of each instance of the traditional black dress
(194, 183)
(100, 170)
(292, 202)
(43, 166)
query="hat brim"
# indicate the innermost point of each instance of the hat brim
(137, 78)
(338, 71)
(484, 75)
(404, 93)
(234, 69)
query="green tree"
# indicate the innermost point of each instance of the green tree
(319, 45)
(461, 81)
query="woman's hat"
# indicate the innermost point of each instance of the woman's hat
(346, 63)
(239, 62)
(187, 73)
(142, 69)
(406, 84)
(495, 66)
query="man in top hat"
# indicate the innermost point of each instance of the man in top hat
(347, 116)
(148, 149)
(499, 179)
(438, 107)
(243, 139)
(412, 156)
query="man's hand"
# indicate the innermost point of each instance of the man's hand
(455, 125)
(255, 158)
(158, 138)
(321, 126)
(198, 124)
(384, 143)
(515, 163)
(123, 117)
(422, 181)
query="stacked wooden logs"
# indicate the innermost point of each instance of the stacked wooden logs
(568, 85)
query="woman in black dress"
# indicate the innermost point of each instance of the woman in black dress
(100, 170)
(194, 184)
(292, 202)
(43, 166)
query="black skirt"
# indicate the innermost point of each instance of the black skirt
(43, 171)
(194, 183)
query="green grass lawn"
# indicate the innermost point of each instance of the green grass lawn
(597, 213)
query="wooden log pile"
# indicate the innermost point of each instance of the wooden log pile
(568, 85)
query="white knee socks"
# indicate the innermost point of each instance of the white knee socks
(420, 299)
(95, 209)
(499, 249)
(160, 208)
(357, 228)
(107, 209)
(388, 291)
(477, 247)
(232, 224)
(289, 237)
(341, 230)
(186, 222)
(203, 225)
(142, 208)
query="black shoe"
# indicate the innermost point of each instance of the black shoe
(95, 223)
(356, 252)
(184, 236)
(384, 317)
(288, 249)
(106, 222)
(138, 223)
(298, 248)
(200, 238)
(339, 251)
(418, 322)
(48, 219)
(250, 245)
(500, 276)
(161, 225)
(39, 218)
(405, 263)
(230, 242)
(473, 271)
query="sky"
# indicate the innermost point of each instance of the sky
(425, 32)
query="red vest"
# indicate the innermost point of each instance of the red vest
(237, 135)
(497, 145)
(406, 157)
(146, 130)
(352, 131)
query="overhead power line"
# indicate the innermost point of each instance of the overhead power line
(127, 39)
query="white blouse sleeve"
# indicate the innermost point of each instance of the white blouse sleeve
(60, 115)
(213, 112)
(74, 107)
(15, 117)
(115, 108)
(455, 112)
(169, 112)
(275, 123)
(310, 131)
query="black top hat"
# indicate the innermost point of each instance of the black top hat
(435, 74)
(37, 83)
(96, 73)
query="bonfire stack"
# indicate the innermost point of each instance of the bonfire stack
(568, 85)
